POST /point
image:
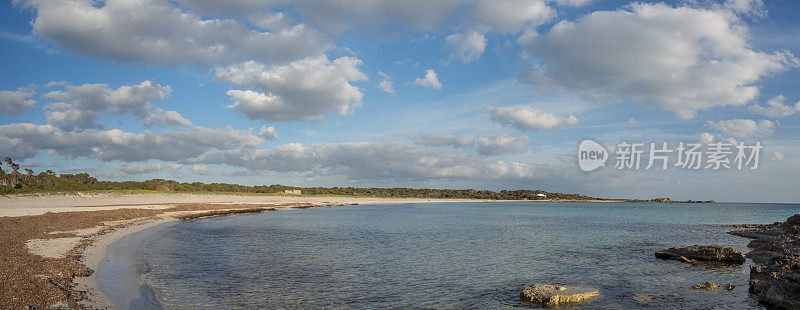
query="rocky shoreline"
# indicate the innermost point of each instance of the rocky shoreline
(775, 279)
(776, 251)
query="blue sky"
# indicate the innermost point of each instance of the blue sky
(449, 94)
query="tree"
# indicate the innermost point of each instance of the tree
(28, 171)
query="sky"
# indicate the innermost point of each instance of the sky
(483, 94)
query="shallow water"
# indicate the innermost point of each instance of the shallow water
(448, 255)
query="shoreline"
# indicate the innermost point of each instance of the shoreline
(98, 252)
(57, 243)
(74, 233)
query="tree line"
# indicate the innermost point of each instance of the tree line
(16, 182)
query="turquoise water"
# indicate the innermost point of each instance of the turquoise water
(448, 255)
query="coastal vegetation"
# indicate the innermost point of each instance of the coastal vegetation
(16, 182)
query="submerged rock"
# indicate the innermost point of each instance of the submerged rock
(776, 247)
(555, 295)
(711, 286)
(711, 253)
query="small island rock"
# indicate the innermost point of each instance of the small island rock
(555, 295)
(710, 253)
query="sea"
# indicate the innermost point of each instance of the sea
(467, 255)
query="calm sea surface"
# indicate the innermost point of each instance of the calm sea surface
(447, 255)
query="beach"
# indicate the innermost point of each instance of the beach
(53, 244)
(79, 250)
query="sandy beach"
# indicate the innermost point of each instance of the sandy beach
(55, 243)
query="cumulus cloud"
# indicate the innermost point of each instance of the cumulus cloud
(305, 90)
(573, 2)
(386, 83)
(79, 105)
(268, 132)
(24, 140)
(753, 8)
(501, 144)
(157, 31)
(429, 80)
(776, 108)
(16, 102)
(467, 46)
(743, 127)
(512, 15)
(370, 161)
(678, 59)
(159, 117)
(528, 118)
(457, 141)
(385, 16)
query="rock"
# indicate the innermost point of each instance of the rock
(710, 286)
(776, 247)
(711, 253)
(555, 295)
(777, 283)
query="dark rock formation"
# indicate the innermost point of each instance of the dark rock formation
(555, 295)
(709, 253)
(776, 248)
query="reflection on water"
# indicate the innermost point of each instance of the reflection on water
(448, 255)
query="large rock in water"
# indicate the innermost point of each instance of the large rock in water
(777, 249)
(710, 253)
(778, 282)
(555, 295)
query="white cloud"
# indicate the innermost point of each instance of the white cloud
(777, 156)
(429, 80)
(776, 108)
(706, 138)
(386, 83)
(157, 31)
(199, 169)
(78, 106)
(457, 141)
(159, 117)
(272, 20)
(743, 127)
(268, 132)
(528, 118)
(371, 161)
(573, 2)
(384, 17)
(24, 140)
(376, 16)
(676, 59)
(512, 15)
(748, 7)
(467, 46)
(16, 102)
(305, 90)
(502, 144)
